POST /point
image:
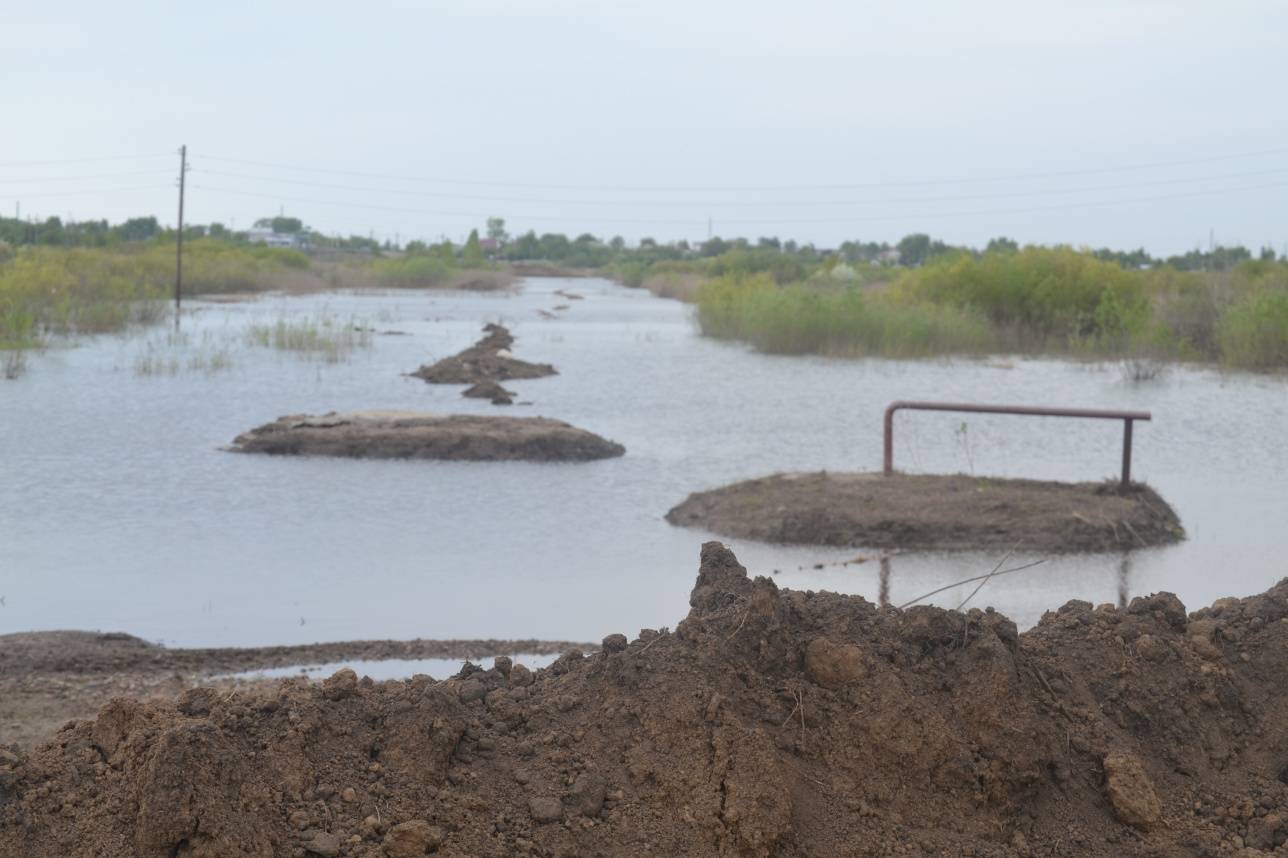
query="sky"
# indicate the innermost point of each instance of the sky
(1118, 123)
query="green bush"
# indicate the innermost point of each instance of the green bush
(1253, 333)
(1042, 295)
(413, 271)
(839, 320)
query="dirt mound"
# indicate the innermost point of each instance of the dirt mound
(492, 391)
(933, 512)
(770, 723)
(487, 360)
(416, 435)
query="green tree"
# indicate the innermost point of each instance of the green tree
(472, 254)
(496, 230)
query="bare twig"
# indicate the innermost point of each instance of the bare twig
(936, 591)
(745, 614)
(991, 573)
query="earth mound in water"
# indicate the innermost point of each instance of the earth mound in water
(492, 391)
(487, 360)
(418, 435)
(769, 723)
(934, 512)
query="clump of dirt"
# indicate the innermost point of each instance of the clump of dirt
(487, 360)
(769, 723)
(490, 390)
(934, 512)
(417, 435)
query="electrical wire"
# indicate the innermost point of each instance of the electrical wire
(29, 180)
(1148, 165)
(760, 204)
(88, 160)
(773, 221)
(82, 193)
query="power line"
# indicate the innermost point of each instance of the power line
(403, 210)
(1146, 165)
(774, 221)
(810, 203)
(86, 160)
(86, 192)
(83, 178)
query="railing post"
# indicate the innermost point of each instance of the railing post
(1126, 453)
(888, 461)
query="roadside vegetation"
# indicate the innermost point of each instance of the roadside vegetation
(1036, 300)
(918, 297)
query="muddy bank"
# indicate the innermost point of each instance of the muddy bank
(49, 678)
(418, 435)
(488, 360)
(769, 723)
(933, 512)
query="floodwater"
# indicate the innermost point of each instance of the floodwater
(119, 510)
(390, 668)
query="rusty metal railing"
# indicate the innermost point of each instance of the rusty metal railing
(1128, 417)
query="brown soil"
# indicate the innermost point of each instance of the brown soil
(933, 512)
(417, 435)
(49, 678)
(487, 360)
(770, 723)
(492, 391)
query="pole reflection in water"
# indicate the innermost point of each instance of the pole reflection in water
(883, 597)
(1124, 573)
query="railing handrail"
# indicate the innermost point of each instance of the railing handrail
(1128, 417)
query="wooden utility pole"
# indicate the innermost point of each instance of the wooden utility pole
(178, 258)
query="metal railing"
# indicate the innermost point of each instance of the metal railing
(1128, 417)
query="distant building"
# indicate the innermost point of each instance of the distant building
(888, 257)
(265, 235)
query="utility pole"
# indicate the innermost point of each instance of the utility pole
(178, 258)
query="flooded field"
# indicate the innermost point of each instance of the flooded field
(119, 510)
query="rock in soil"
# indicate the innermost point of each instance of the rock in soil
(487, 360)
(769, 723)
(418, 435)
(933, 512)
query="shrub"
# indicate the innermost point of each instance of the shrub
(1253, 333)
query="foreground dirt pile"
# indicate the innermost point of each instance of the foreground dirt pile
(934, 512)
(417, 435)
(488, 360)
(770, 722)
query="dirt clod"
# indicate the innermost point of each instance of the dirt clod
(834, 665)
(1131, 791)
(544, 809)
(412, 839)
(323, 844)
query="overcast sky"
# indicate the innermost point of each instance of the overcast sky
(1098, 122)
